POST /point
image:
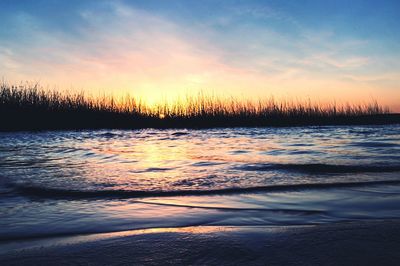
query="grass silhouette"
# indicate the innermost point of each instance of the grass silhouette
(32, 108)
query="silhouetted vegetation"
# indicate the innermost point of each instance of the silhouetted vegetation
(32, 108)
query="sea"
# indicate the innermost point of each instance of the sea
(65, 183)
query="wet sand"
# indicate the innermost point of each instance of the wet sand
(351, 243)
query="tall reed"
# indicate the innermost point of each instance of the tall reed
(31, 107)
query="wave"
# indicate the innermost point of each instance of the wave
(374, 144)
(152, 169)
(322, 168)
(179, 133)
(57, 193)
(231, 209)
(206, 163)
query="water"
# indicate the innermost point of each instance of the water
(73, 182)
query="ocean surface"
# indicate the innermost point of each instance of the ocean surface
(81, 182)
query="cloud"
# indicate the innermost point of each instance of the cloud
(116, 41)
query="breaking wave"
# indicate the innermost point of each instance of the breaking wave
(46, 192)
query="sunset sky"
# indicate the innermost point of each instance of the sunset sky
(345, 51)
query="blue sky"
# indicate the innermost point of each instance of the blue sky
(341, 50)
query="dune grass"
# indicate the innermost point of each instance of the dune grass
(33, 108)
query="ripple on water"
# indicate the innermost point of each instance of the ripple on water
(94, 179)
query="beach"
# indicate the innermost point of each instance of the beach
(350, 243)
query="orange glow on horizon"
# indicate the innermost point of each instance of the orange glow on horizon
(337, 93)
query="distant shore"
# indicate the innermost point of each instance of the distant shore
(27, 122)
(33, 109)
(349, 243)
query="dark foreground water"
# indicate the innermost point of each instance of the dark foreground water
(65, 183)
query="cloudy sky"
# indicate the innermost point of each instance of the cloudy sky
(344, 51)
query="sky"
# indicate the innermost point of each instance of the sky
(326, 51)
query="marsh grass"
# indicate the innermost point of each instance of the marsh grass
(33, 108)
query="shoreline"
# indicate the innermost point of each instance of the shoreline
(35, 124)
(371, 242)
